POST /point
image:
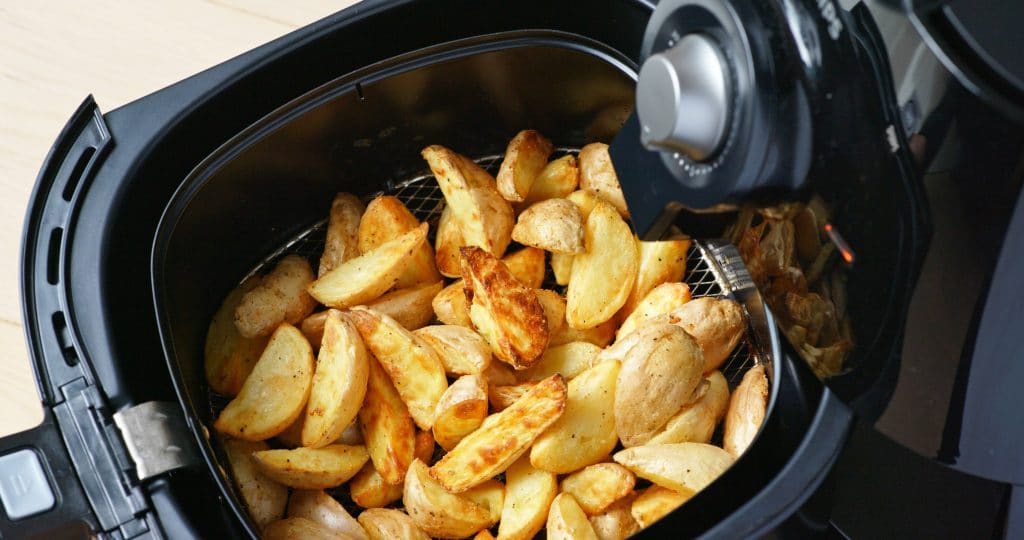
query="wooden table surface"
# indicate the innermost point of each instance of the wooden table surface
(53, 54)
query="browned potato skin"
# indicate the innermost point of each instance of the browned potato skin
(697, 420)
(461, 410)
(412, 307)
(390, 524)
(265, 498)
(297, 527)
(746, 411)
(386, 426)
(342, 241)
(321, 508)
(229, 357)
(527, 265)
(450, 305)
(313, 328)
(716, 324)
(554, 309)
(447, 244)
(280, 297)
(554, 225)
(616, 523)
(369, 490)
(558, 179)
(598, 175)
(525, 158)
(598, 486)
(386, 218)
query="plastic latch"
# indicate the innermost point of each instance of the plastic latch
(157, 438)
(24, 489)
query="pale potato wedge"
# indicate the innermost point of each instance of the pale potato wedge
(502, 397)
(505, 312)
(229, 357)
(279, 297)
(297, 527)
(342, 241)
(411, 363)
(502, 438)
(387, 426)
(598, 486)
(616, 523)
(660, 300)
(490, 496)
(312, 468)
(461, 410)
(555, 225)
(662, 261)
(274, 394)
(321, 508)
(485, 219)
(600, 335)
(682, 466)
(585, 433)
(655, 503)
(746, 411)
(527, 265)
(264, 498)
(436, 511)
(528, 495)
(568, 360)
(412, 307)
(369, 490)
(339, 382)
(525, 158)
(313, 328)
(386, 218)
(603, 277)
(697, 420)
(557, 179)
(554, 309)
(390, 524)
(566, 520)
(447, 244)
(586, 200)
(461, 350)
(450, 305)
(717, 324)
(598, 175)
(366, 277)
(561, 267)
(500, 374)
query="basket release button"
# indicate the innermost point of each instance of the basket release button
(24, 490)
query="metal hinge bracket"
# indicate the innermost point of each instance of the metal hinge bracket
(157, 438)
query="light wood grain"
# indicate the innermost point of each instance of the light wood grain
(53, 54)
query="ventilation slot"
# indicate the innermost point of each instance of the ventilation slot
(53, 256)
(67, 348)
(77, 172)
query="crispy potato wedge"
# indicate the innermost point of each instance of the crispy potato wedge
(585, 433)
(500, 374)
(557, 179)
(697, 420)
(527, 265)
(447, 244)
(412, 308)
(461, 350)
(339, 382)
(505, 312)
(528, 495)
(502, 438)
(616, 523)
(274, 394)
(682, 466)
(312, 468)
(485, 219)
(502, 397)
(390, 524)
(313, 328)
(386, 426)
(490, 496)
(660, 300)
(366, 277)
(280, 296)
(461, 410)
(554, 309)
(369, 490)
(568, 360)
(484, 535)
(411, 363)
(555, 225)
(656, 502)
(657, 378)
(603, 277)
(663, 261)
(746, 411)
(600, 335)
(450, 305)
(386, 218)
(598, 175)
(597, 486)
(561, 267)
(716, 324)
(525, 158)
(265, 498)
(321, 508)
(436, 511)
(566, 520)
(342, 241)
(229, 357)
(297, 527)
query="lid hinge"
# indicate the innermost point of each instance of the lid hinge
(157, 438)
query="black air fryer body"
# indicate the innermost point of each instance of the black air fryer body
(143, 218)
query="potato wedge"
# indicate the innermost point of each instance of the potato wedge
(655, 503)
(369, 490)
(485, 219)
(461, 350)
(525, 158)
(291, 437)
(586, 200)
(528, 495)
(229, 357)
(657, 378)
(682, 466)
(500, 374)
(600, 335)
(585, 433)
(716, 324)
(603, 277)
(616, 523)
(746, 411)
(557, 179)
(390, 524)
(490, 496)
(369, 275)
(386, 426)
(566, 520)
(342, 241)
(505, 312)
(450, 305)
(502, 438)
(313, 328)
(351, 434)
(555, 225)
(598, 175)
(483, 535)
(339, 382)
(461, 410)
(275, 392)
(662, 299)
(597, 486)
(297, 527)
(412, 307)
(447, 244)
(312, 468)
(412, 364)
(502, 397)
(527, 265)
(436, 511)
(386, 218)
(321, 508)
(697, 420)
(279, 297)
(568, 360)
(265, 498)
(561, 267)
(663, 261)
(554, 309)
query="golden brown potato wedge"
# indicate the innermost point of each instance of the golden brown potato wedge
(321, 508)
(313, 328)
(716, 324)
(450, 305)
(291, 437)
(597, 486)
(554, 309)
(483, 535)
(697, 420)
(436, 511)
(279, 297)
(502, 397)
(566, 520)
(369, 490)
(527, 265)
(412, 308)
(585, 433)
(366, 277)
(339, 382)
(390, 524)
(297, 527)
(603, 277)
(557, 179)
(386, 218)
(586, 200)
(312, 468)
(461, 410)
(485, 219)
(528, 495)
(655, 503)
(461, 350)
(568, 360)
(661, 300)
(386, 426)
(561, 267)
(616, 523)
(229, 357)
(598, 175)
(265, 498)
(746, 411)
(555, 225)
(342, 241)
(682, 466)
(502, 438)
(663, 261)
(275, 392)
(447, 244)
(525, 158)
(600, 335)
(490, 496)
(412, 364)
(500, 374)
